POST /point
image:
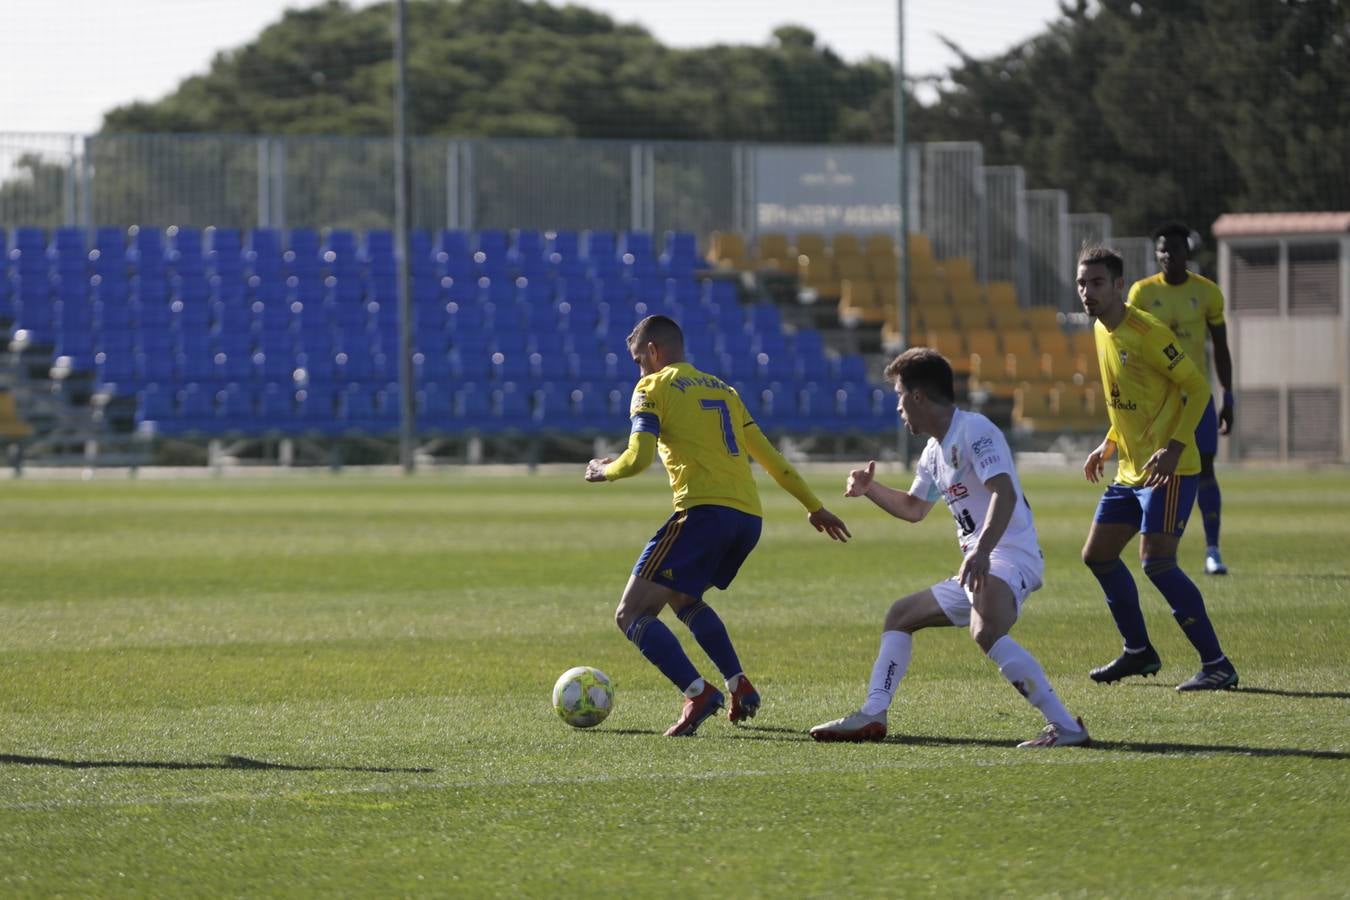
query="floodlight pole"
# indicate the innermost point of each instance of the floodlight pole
(902, 239)
(407, 408)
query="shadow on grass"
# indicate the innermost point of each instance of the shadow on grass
(1160, 747)
(1246, 689)
(226, 762)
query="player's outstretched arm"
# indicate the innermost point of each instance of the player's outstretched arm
(789, 479)
(640, 454)
(901, 504)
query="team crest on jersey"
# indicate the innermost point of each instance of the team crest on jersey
(1195, 304)
(956, 457)
(1124, 357)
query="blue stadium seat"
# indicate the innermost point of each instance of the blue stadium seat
(197, 410)
(263, 254)
(185, 252)
(765, 318)
(454, 243)
(357, 410)
(680, 258)
(852, 368)
(562, 245)
(435, 407)
(236, 412)
(515, 408)
(316, 410)
(155, 409)
(276, 406)
(472, 409)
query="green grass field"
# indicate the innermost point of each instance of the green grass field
(340, 685)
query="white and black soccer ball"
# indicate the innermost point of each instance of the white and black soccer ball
(583, 697)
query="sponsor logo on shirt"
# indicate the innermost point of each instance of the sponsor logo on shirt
(1116, 403)
(1173, 354)
(956, 491)
(982, 445)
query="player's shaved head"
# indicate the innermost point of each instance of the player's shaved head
(662, 331)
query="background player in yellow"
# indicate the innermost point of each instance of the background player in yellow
(1192, 307)
(706, 439)
(1156, 396)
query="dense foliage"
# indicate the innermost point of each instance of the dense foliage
(1147, 110)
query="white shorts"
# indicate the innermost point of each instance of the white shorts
(1021, 577)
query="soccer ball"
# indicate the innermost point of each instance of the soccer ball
(583, 697)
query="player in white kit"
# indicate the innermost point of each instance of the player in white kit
(968, 463)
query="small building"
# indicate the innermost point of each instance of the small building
(1286, 278)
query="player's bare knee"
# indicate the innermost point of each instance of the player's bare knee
(897, 617)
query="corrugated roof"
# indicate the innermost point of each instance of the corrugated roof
(1252, 224)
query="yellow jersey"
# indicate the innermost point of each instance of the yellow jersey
(706, 439)
(1154, 393)
(1188, 309)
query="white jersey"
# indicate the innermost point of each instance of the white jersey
(973, 451)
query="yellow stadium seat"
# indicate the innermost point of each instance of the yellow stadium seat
(938, 316)
(974, 316)
(879, 244)
(1082, 343)
(919, 246)
(1054, 342)
(818, 274)
(858, 303)
(854, 267)
(886, 295)
(772, 252)
(958, 270)
(1043, 318)
(1023, 366)
(985, 342)
(883, 268)
(1033, 403)
(1001, 294)
(927, 292)
(12, 425)
(948, 342)
(845, 243)
(1019, 342)
(726, 250)
(812, 244)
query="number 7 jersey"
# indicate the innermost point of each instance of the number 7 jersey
(699, 422)
(956, 468)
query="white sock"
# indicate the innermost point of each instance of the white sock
(1025, 674)
(696, 688)
(892, 661)
(735, 681)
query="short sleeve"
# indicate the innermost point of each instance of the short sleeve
(1214, 306)
(644, 408)
(924, 486)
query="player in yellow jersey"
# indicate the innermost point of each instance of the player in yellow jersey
(1156, 397)
(706, 439)
(1192, 306)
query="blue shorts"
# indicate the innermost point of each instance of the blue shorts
(1153, 510)
(698, 548)
(1207, 432)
